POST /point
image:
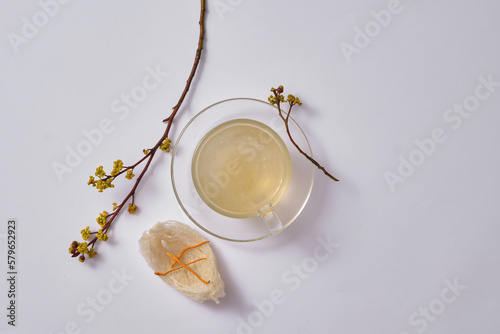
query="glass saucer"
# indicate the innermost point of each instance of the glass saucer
(239, 229)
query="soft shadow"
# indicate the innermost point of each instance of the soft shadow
(233, 300)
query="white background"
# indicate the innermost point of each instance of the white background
(363, 112)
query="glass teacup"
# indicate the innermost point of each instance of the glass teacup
(241, 169)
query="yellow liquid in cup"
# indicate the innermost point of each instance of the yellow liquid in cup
(241, 166)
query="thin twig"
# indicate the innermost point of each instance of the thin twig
(278, 98)
(151, 152)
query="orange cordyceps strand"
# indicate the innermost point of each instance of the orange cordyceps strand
(187, 264)
(182, 264)
(185, 249)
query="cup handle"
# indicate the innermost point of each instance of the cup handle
(271, 219)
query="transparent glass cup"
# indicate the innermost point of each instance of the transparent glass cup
(195, 209)
(241, 169)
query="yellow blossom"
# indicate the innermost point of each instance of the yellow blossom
(117, 167)
(86, 233)
(101, 220)
(130, 174)
(165, 145)
(102, 236)
(104, 184)
(92, 253)
(82, 247)
(99, 172)
(132, 208)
